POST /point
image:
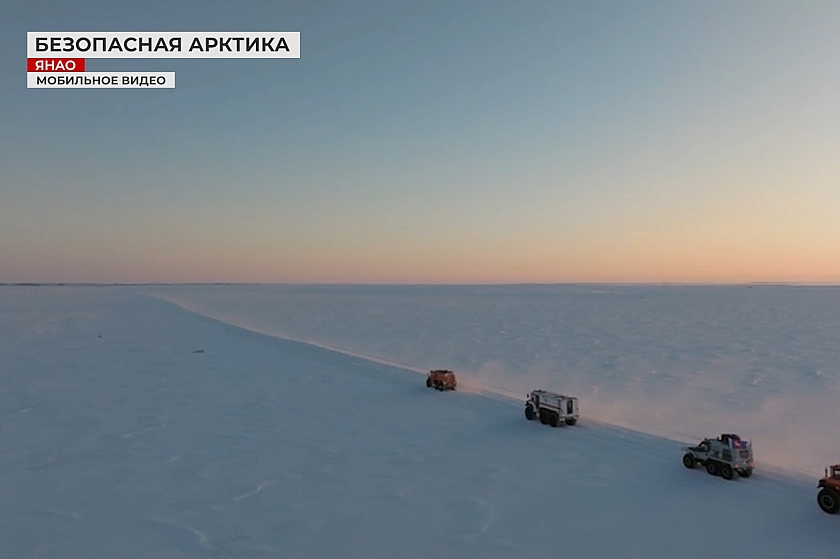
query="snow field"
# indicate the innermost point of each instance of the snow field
(131, 445)
(682, 362)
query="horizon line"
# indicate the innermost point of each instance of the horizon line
(394, 284)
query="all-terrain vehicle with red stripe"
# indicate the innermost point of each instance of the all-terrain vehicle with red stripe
(551, 408)
(723, 456)
(441, 379)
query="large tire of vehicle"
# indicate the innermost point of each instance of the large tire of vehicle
(712, 468)
(543, 417)
(428, 383)
(829, 500)
(571, 421)
(530, 414)
(726, 472)
(745, 473)
(554, 420)
(689, 461)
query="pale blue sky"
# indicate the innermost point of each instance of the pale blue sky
(435, 142)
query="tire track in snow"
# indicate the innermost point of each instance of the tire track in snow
(143, 432)
(489, 512)
(259, 488)
(202, 538)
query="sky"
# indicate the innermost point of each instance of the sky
(434, 142)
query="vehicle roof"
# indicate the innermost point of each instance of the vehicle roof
(553, 394)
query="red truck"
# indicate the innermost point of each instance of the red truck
(829, 495)
(441, 379)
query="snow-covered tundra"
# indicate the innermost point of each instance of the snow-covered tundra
(120, 438)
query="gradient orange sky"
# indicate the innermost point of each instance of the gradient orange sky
(557, 142)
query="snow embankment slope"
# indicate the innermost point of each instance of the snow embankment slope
(680, 362)
(131, 445)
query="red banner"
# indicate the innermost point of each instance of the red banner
(55, 64)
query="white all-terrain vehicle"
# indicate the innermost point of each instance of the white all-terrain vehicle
(551, 408)
(723, 456)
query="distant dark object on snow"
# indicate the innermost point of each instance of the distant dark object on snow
(441, 379)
